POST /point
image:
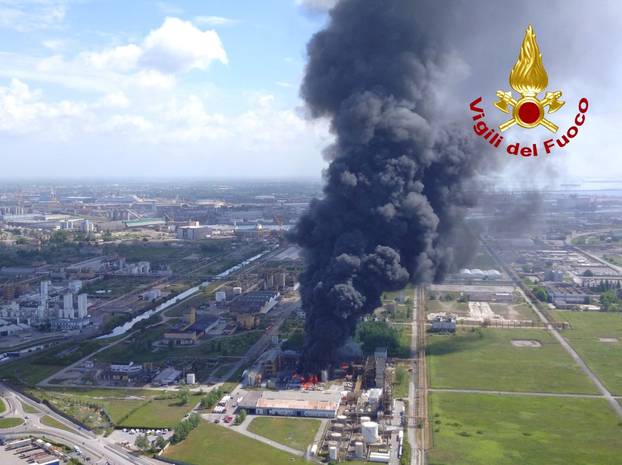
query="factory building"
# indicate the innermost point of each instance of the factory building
(255, 302)
(319, 404)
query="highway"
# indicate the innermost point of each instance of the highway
(99, 449)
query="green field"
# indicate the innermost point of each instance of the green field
(139, 348)
(449, 306)
(472, 429)
(211, 444)
(2, 406)
(28, 408)
(125, 407)
(49, 421)
(160, 413)
(10, 422)
(604, 358)
(296, 433)
(486, 359)
(401, 381)
(34, 368)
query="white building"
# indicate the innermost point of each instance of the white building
(83, 305)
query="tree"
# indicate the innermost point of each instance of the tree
(240, 417)
(159, 443)
(142, 442)
(183, 395)
(541, 294)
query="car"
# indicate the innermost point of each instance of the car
(217, 420)
(228, 419)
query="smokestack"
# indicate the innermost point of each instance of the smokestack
(399, 179)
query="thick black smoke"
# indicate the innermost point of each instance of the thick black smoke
(398, 182)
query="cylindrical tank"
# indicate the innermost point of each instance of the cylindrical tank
(237, 290)
(342, 417)
(191, 378)
(365, 419)
(221, 296)
(324, 376)
(332, 453)
(335, 435)
(338, 425)
(370, 432)
(359, 449)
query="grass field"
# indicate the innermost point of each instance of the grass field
(10, 422)
(126, 407)
(449, 306)
(2, 406)
(297, 433)
(159, 413)
(401, 381)
(36, 367)
(49, 421)
(486, 359)
(28, 408)
(139, 348)
(211, 444)
(471, 429)
(604, 358)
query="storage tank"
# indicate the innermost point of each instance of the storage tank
(370, 432)
(365, 419)
(338, 426)
(324, 376)
(359, 449)
(237, 290)
(332, 453)
(335, 435)
(221, 296)
(191, 378)
(342, 417)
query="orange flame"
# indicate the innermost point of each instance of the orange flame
(528, 77)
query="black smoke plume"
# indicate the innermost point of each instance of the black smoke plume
(398, 181)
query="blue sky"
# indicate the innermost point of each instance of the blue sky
(99, 88)
(147, 88)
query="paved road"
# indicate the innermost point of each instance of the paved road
(99, 449)
(243, 429)
(617, 408)
(575, 356)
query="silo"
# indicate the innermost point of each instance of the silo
(370, 432)
(332, 453)
(359, 449)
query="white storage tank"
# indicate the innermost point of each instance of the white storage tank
(332, 453)
(335, 436)
(342, 417)
(370, 432)
(221, 296)
(359, 449)
(338, 426)
(237, 290)
(191, 378)
(365, 419)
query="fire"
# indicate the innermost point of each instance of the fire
(528, 76)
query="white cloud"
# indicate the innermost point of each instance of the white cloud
(178, 46)
(317, 5)
(29, 15)
(167, 129)
(122, 58)
(215, 21)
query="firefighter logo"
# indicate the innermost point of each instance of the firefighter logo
(528, 77)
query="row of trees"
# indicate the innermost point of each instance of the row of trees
(183, 429)
(212, 398)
